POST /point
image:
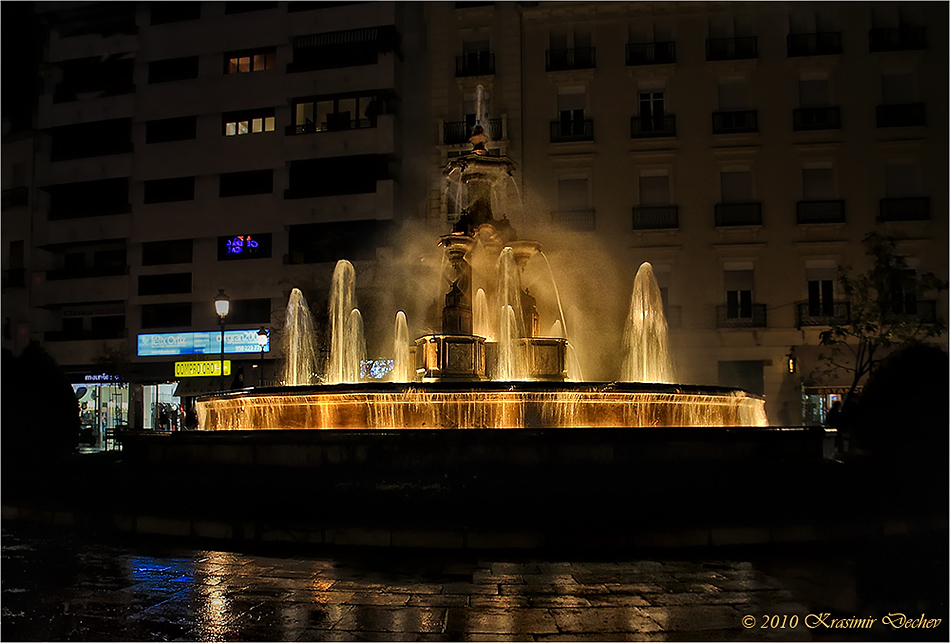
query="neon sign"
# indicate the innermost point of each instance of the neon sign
(244, 246)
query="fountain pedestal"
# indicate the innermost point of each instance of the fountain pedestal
(450, 357)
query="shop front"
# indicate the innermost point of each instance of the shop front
(103, 400)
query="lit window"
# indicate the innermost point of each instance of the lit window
(230, 129)
(269, 124)
(257, 125)
(244, 63)
(242, 127)
(247, 61)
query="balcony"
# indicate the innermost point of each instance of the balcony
(735, 122)
(807, 119)
(563, 131)
(831, 211)
(14, 278)
(331, 125)
(905, 209)
(816, 313)
(813, 44)
(579, 220)
(653, 126)
(734, 214)
(655, 217)
(651, 53)
(903, 38)
(904, 115)
(732, 48)
(458, 132)
(86, 273)
(566, 59)
(738, 316)
(476, 63)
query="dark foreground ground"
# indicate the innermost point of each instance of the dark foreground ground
(62, 584)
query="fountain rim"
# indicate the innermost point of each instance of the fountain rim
(488, 386)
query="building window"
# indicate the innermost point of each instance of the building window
(172, 69)
(337, 49)
(821, 292)
(652, 119)
(476, 60)
(97, 138)
(246, 6)
(108, 75)
(166, 315)
(328, 242)
(816, 111)
(336, 176)
(573, 203)
(819, 202)
(655, 210)
(166, 130)
(239, 62)
(246, 183)
(904, 200)
(158, 253)
(255, 121)
(740, 310)
(249, 311)
(244, 246)
(166, 12)
(171, 284)
(565, 55)
(168, 190)
(89, 198)
(335, 113)
(572, 124)
(901, 106)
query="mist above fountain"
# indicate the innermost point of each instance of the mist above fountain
(488, 365)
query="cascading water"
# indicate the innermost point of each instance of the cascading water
(646, 356)
(354, 347)
(344, 348)
(402, 367)
(510, 364)
(300, 360)
(481, 325)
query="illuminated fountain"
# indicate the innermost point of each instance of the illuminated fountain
(489, 367)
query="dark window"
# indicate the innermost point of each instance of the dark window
(110, 261)
(107, 326)
(244, 7)
(249, 311)
(171, 284)
(166, 130)
(89, 198)
(326, 242)
(166, 315)
(342, 48)
(98, 138)
(334, 176)
(165, 12)
(157, 253)
(163, 71)
(245, 183)
(244, 246)
(251, 121)
(95, 77)
(309, 6)
(165, 190)
(103, 18)
(248, 60)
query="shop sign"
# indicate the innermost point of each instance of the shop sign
(100, 377)
(210, 368)
(199, 343)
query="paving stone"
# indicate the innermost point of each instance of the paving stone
(439, 600)
(384, 619)
(603, 619)
(513, 621)
(695, 617)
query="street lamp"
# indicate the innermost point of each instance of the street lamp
(222, 305)
(262, 342)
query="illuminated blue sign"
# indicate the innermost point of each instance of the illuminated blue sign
(201, 343)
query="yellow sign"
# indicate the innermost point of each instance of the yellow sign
(202, 369)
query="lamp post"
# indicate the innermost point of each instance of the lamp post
(262, 342)
(222, 305)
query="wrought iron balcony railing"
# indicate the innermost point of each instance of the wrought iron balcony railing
(651, 53)
(655, 217)
(564, 59)
(562, 131)
(903, 38)
(905, 209)
(735, 122)
(730, 214)
(830, 211)
(748, 316)
(653, 126)
(458, 132)
(476, 63)
(818, 313)
(904, 115)
(581, 220)
(732, 48)
(813, 44)
(816, 118)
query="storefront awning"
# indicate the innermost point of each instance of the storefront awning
(198, 386)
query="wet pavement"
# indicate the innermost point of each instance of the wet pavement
(57, 585)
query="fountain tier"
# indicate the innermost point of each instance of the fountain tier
(481, 405)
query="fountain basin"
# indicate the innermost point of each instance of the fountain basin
(479, 405)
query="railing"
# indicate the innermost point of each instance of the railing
(458, 132)
(813, 44)
(582, 220)
(730, 214)
(564, 59)
(903, 38)
(652, 126)
(751, 316)
(572, 130)
(311, 127)
(476, 63)
(86, 273)
(732, 48)
(83, 335)
(655, 217)
(14, 278)
(904, 115)
(816, 118)
(815, 313)
(905, 209)
(913, 310)
(830, 211)
(735, 122)
(651, 53)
